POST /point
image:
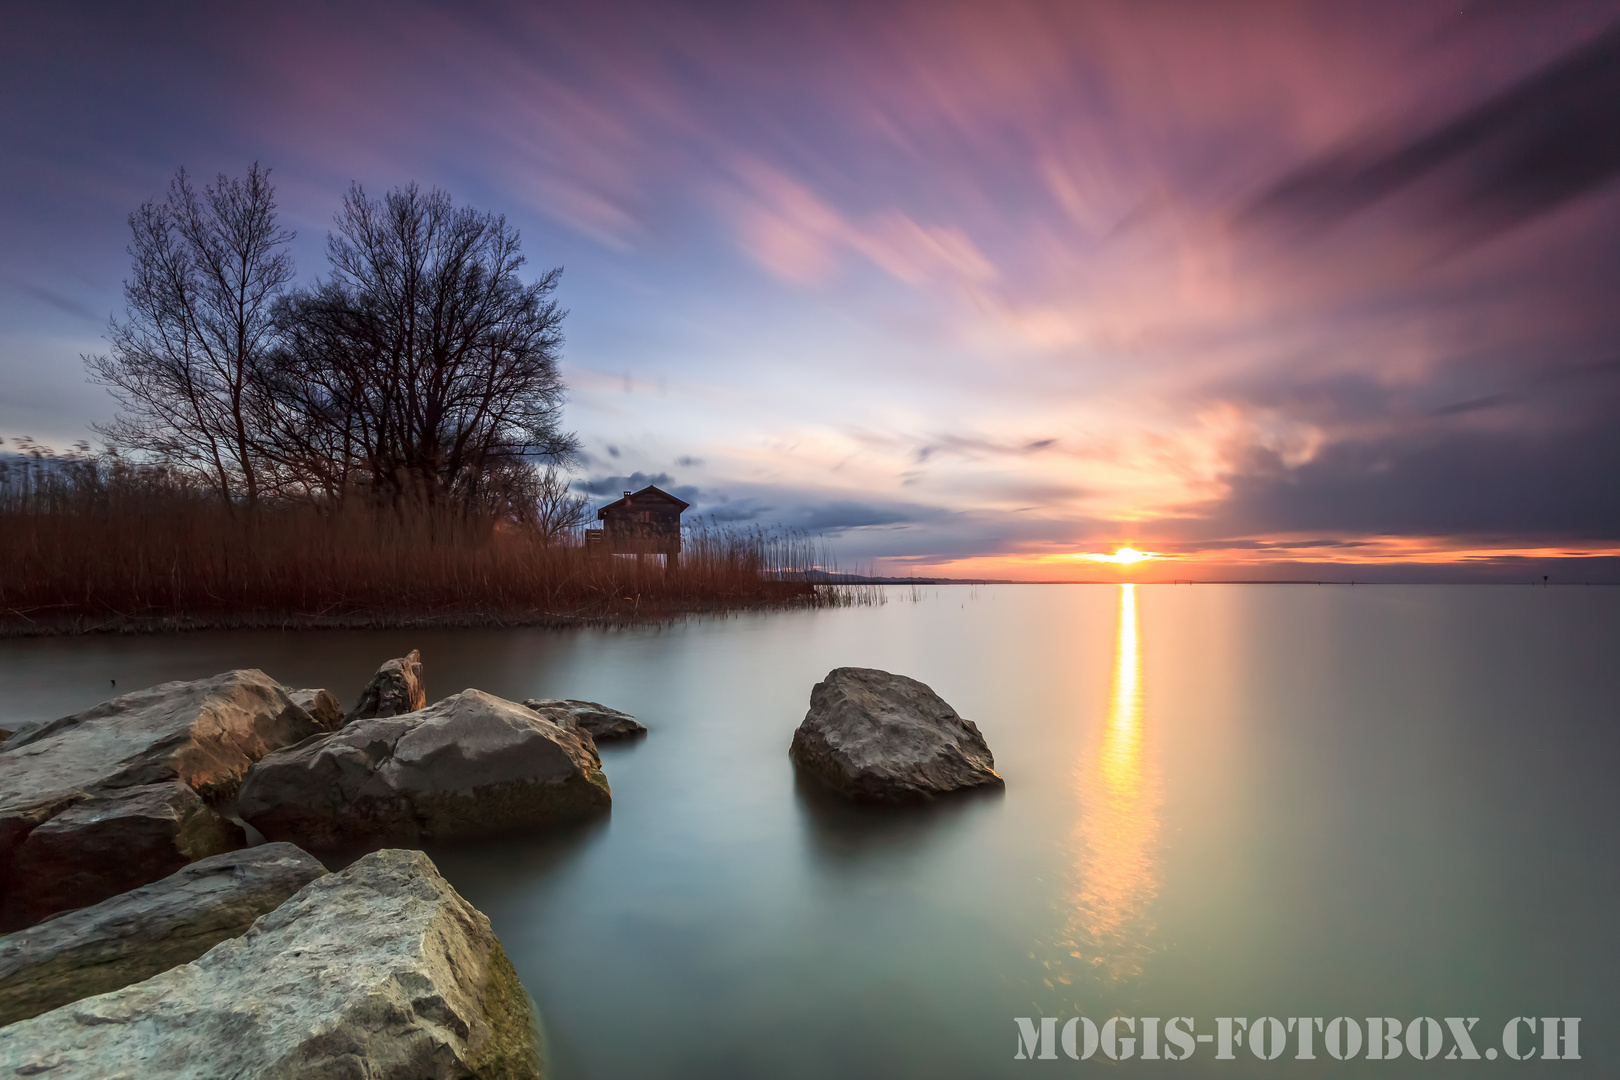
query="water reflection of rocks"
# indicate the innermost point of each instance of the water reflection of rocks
(847, 835)
(1109, 929)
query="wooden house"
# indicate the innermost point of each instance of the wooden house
(645, 522)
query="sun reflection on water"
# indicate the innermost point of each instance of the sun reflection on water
(1116, 870)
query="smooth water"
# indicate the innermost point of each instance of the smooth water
(1221, 801)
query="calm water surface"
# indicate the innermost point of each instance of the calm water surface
(1221, 801)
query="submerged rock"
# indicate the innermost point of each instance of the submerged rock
(380, 971)
(204, 733)
(137, 934)
(468, 765)
(109, 842)
(602, 722)
(322, 705)
(877, 737)
(395, 689)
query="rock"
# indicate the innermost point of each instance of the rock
(395, 689)
(322, 705)
(17, 821)
(205, 733)
(468, 765)
(6, 736)
(877, 737)
(110, 842)
(137, 934)
(380, 971)
(601, 721)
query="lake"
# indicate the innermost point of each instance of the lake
(1221, 801)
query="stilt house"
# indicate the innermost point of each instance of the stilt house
(645, 522)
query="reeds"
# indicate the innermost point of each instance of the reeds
(91, 543)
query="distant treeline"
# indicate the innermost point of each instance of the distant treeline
(95, 542)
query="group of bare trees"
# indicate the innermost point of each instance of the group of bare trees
(421, 367)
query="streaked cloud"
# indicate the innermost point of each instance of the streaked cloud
(954, 282)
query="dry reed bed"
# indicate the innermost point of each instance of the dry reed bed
(143, 554)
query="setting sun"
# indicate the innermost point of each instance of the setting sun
(1124, 556)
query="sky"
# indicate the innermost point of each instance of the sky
(1266, 290)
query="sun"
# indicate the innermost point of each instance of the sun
(1124, 556)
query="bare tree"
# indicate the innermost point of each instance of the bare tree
(185, 362)
(558, 510)
(424, 356)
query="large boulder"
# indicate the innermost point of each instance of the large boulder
(877, 737)
(107, 843)
(471, 764)
(600, 721)
(137, 934)
(203, 733)
(322, 705)
(380, 971)
(395, 689)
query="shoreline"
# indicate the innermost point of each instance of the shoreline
(17, 626)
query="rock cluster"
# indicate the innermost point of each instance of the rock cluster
(472, 764)
(254, 962)
(381, 970)
(157, 946)
(876, 737)
(147, 930)
(130, 778)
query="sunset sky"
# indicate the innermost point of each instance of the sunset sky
(976, 289)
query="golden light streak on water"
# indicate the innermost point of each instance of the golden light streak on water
(1117, 864)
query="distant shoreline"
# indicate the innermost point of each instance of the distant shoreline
(16, 625)
(13, 627)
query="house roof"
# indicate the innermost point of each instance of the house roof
(645, 497)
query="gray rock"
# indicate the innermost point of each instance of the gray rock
(379, 971)
(395, 689)
(15, 737)
(204, 733)
(107, 843)
(322, 705)
(877, 737)
(602, 722)
(20, 819)
(468, 765)
(137, 934)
